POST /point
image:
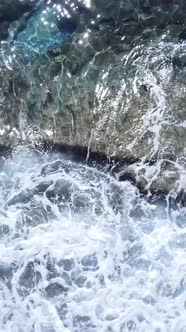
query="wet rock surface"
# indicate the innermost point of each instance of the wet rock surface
(10, 11)
(117, 87)
(80, 250)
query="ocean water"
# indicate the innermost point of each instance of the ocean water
(83, 252)
(79, 250)
(40, 34)
(41, 31)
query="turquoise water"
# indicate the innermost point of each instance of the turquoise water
(41, 33)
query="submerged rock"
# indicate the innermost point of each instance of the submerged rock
(11, 10)
(116, 87)
(40, 33)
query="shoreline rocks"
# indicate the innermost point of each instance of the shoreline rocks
(117, 90)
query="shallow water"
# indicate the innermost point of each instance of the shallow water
(74, 257)
(81, 251)
(40, 34)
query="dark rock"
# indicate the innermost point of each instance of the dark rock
(74, 93)
(4, 30)
(182, 35)
(11, 10)
(160, 2)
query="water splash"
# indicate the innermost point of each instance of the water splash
(81, 252)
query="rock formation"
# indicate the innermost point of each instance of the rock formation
(116, 86)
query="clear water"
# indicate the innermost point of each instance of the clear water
(40, 34)
(82, 252)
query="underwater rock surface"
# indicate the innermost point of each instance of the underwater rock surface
(114, 84)
(12, 10)
(83, 250)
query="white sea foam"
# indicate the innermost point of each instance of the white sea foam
(82, 252)
(123, 272)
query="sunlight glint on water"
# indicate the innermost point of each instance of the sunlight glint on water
(81, 252)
